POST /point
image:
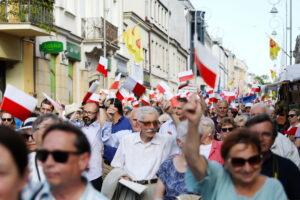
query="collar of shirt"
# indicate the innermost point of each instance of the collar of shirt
(155, 140)
(94, 124)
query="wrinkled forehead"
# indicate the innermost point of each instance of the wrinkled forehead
(150, 117)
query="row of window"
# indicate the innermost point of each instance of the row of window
(159, 14)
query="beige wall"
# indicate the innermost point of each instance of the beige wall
(10, 47)
(20, 74)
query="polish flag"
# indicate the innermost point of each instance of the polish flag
(115, 85)
(170, 97)
(146, 100)
(55, 104)
(18, 103)
(103, 91)
(134, 86)
(122, 94)
(163, 87)
(229, 96)
(94, 98)
(214, 97)
(206, 63)
(102, 66)
(135, 104)
(255, 88)
(91, 90)
(111, 95)
(185, 76)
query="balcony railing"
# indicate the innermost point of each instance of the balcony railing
(36, 12)
(92, 29)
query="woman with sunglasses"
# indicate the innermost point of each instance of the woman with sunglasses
(240, 178)
(13, 164)
(227, 125)
(294, 121)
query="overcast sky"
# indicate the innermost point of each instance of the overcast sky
(244, 24)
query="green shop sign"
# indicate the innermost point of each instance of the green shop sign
(52, 47)
(74, 51)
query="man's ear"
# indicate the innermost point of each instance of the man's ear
(84, 161)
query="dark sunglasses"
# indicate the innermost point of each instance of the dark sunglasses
(6, 119)
(226, 129)
(27, 136)
(291, 115)
(58, 156)
(240, 162)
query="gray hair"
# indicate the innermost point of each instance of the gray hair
(241, 118)
(208, 123)
(261, 105)
(182, 130)
(145, 110)
(42, 118)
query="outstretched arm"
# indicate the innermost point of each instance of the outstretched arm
(196, 162)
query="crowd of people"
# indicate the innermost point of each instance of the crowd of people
(111, 150)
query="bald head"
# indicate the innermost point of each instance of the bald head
(259, 108)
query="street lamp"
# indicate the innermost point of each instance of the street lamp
(290, 28)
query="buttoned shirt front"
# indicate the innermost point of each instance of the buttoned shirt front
(93, 134)
(141, 160)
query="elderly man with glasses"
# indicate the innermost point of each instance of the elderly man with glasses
(63, 163)
(138, 157)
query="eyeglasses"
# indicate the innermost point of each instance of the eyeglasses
(6, 119)
(58, 156)
(240, 162)
(27, 136)
(88, 112)
(226, 129)
(291, 115)
(148, 123)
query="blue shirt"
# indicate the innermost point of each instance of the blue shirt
(218, 185)
(112, 135)
(172, 179)
(43, 191)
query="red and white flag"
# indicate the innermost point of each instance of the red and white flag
(214, 97)
(122, 94)
(185, 76)
(54, 103)
(146, 100)
(135, 104)
(255, 88)
(163, 87)
(170, 97)
(18, 103)
(115, 85)
(91, 90)
(94, 98)
(229, 96)
(206, 63)
(102, 66)
(134, 86)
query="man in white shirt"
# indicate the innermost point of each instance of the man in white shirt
(92, 131)
(141, 154)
